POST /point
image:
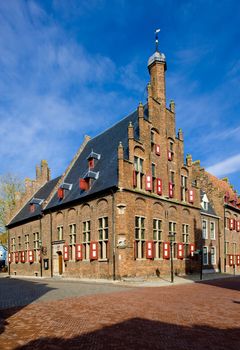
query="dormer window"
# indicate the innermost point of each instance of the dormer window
(205, 205)
(60, 193)
(204, 202)
(63, 187)
(32, 208)
(33, 203)
(91, 159)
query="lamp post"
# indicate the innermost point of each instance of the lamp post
(171, 237)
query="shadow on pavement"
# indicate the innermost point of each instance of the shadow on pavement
(15, 294)
(228, 283)
(138, 333)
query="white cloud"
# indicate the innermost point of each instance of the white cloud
(225, 167)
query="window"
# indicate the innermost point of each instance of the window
(205, 205)
(213, 256)
(226, 247)
(185, 239)
(212, 230)
(60, 233)
(171, 146)
(36, 245)
(205, 256)
(172, 231)
(138, 168)
(139, 236)
(204, 229)
(152, 137)
(183, 187)
(13, 245)
(26, 242)
(153, 176)
(172, 177)
(19, 243)
(86, 239)
(103, 236)
(72, 241)
(227, 223)
(157, 237)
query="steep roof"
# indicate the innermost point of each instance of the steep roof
(43, 193)
(105, 144)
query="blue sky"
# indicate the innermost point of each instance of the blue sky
(75, 67)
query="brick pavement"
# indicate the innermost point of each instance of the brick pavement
(193, 316)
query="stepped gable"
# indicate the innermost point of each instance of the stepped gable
(25, 214)
(221, 185)
(106, 145)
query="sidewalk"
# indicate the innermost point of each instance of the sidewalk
(132, 281)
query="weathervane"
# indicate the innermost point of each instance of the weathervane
(156, 38)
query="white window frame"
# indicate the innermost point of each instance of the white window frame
(205, 262)
(138, 168)
(72, 241)
(213, 256)
(103, 237)
(205, 236)
(157, 237)
(212, 237)
(184, 188)
(60, 232)
(140, 236)
(86, 239)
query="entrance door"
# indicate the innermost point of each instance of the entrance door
(60, 263)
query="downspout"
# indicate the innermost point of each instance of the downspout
(51, 234)
(113, 236)
(8, 251)
(40, 229)
(224, 237)
(219, 248)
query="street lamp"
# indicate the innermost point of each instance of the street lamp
(171, 238)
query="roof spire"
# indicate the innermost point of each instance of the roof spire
(156, 38)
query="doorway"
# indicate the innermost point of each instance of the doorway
(60, 263)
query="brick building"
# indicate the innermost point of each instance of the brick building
(124, 195)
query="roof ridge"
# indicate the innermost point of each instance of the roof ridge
(118, 122)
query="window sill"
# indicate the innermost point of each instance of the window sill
(103, 260)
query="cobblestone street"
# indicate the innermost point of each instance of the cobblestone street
(100, 316)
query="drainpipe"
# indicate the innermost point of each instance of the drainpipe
(219, 248)
(113, 236)
(224, 237)
(51, 234)
(40, 229)
(8, 251)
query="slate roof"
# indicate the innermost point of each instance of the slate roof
(105, 144)
(210, 210)
(42, 193)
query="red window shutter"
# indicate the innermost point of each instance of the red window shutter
(238, 260)
(230, 260)
(238, 226)
(9, 258)
(149, 249)
(148, 182)
(22, 256)
(83, 184)
(166, 250)
(60, 193)
(169, 155)
(170, 190)
(16, 257)
(192, 249)
(157, 150)
(78, 251)
(134, 179)
(65, 252)
(191, 196)
(32, 208)
(91, 163)
(159, 186)
(180, 251)
(231, 224)
(30, 256)
(94, 250)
